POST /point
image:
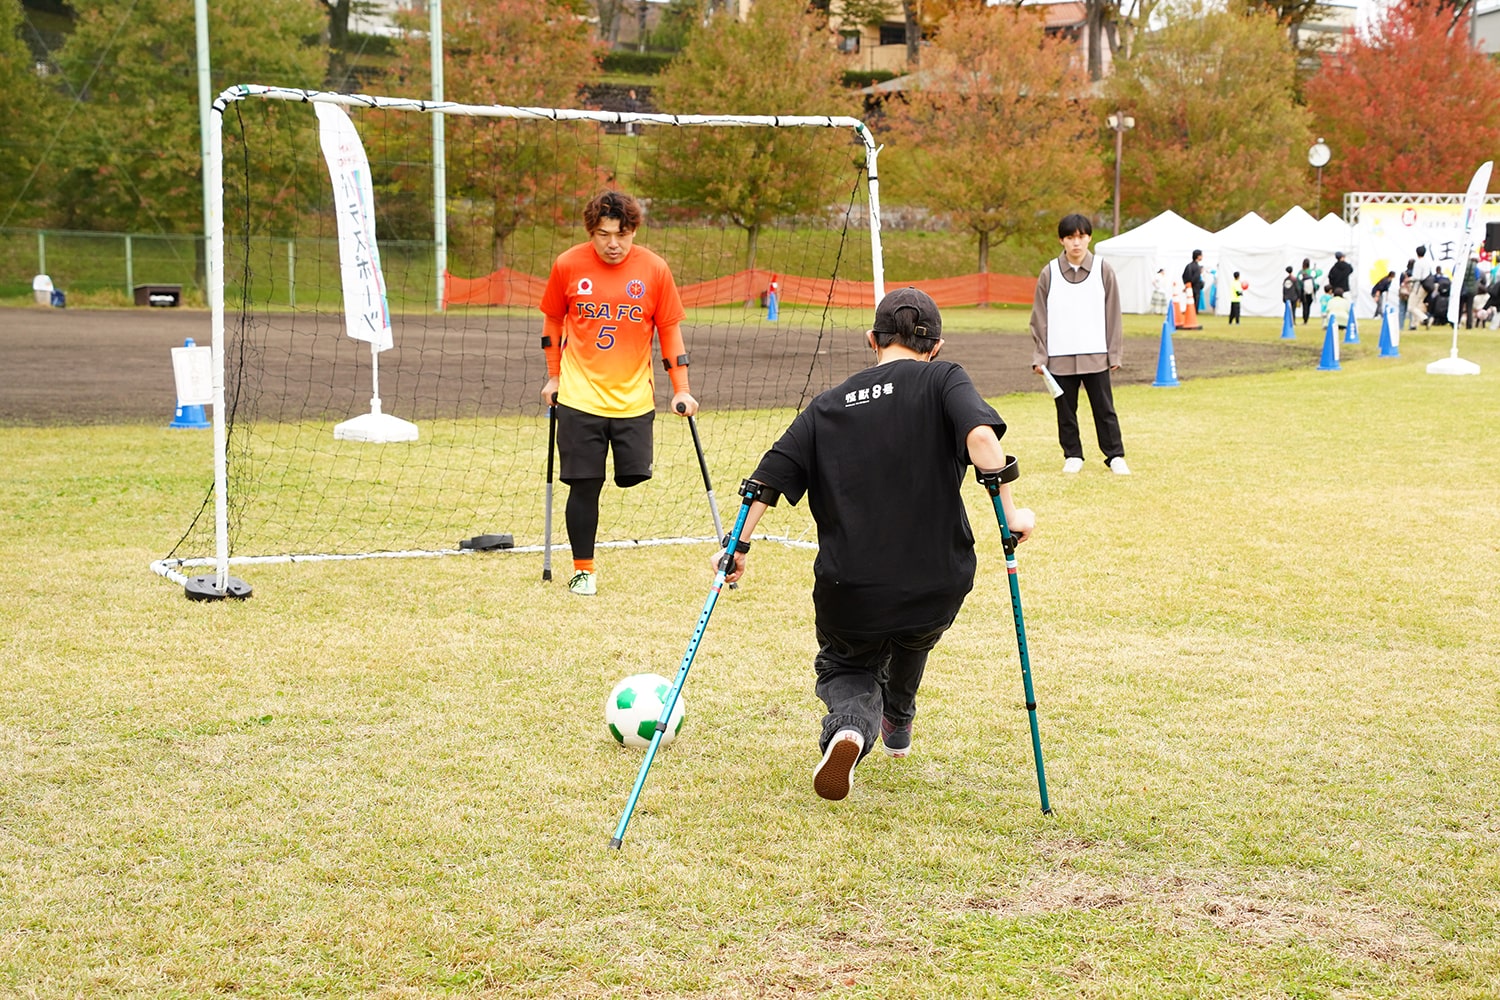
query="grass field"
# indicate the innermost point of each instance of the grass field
(1268, 685)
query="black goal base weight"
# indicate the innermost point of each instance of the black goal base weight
(487, 543)
(203, 588)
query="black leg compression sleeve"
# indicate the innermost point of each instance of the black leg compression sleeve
(583, 516)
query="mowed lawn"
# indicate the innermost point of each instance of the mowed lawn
(1268, 669)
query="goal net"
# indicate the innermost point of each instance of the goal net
(734, 204)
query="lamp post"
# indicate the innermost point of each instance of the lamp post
(1118, 123)
(1318, 156)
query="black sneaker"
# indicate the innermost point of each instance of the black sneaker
(897, 739)
(834, 775)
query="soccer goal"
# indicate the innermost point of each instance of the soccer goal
(739, 206)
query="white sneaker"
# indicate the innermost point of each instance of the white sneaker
(1118, 467)
(1071, 465)
(834, 775)
(584, 584)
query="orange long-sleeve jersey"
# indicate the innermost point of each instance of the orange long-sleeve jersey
(599, 320)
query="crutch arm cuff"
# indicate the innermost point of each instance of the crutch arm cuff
(752, 491)
(741, 546)
(1009, 474)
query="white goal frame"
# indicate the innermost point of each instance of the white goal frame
(214, 180)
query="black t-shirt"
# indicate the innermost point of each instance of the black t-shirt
(1338, 276)
(881, 459)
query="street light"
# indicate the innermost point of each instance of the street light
(1118, 123)
(1318, 156)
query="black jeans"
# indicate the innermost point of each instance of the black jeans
(1306, 307)
(861, 678)
(1101, 402)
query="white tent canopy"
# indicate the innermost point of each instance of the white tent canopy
(1261, 253)
(1166, 242)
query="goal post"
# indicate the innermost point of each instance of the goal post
(466, 373)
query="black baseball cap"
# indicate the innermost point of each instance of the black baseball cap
(926, 323)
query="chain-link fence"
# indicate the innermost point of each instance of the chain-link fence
(108, 267)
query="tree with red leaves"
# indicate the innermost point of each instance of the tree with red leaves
(1412, 107)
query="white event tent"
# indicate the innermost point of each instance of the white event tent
(1166, 242)
(1258, 249)
(1262, 251)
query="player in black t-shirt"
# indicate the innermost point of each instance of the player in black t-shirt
(881, 459)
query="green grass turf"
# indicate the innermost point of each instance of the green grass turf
(1266, 667)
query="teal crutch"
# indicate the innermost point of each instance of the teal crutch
(749, 493)
(991, 482)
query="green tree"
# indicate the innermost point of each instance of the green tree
(529, 53)
(1000, 137)
(130, 151)
(779, 61)
(1218, 131)
(1427, 134)
(24, 124)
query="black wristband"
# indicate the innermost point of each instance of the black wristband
(742, 546)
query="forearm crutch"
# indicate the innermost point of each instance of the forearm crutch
(551, 447)
(708, 486)
(991, 482)
(749, 493)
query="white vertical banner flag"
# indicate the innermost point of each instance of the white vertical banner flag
(367, 317)
(1473, 201)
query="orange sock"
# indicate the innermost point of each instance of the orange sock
(583, 565)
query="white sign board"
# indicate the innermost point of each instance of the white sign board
(193, 369)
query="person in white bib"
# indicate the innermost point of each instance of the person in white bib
(1078, 336)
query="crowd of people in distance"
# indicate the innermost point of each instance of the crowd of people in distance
(1424, 293)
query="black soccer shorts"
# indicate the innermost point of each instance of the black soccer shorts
(583, 439)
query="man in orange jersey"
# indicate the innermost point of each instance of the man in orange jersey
(604, 300)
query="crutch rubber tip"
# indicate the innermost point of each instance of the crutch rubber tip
(614, 843)
(546, 574)
(1046, 812)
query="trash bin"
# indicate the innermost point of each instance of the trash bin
(41, 289)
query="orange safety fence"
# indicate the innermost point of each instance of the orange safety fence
(504, 287)
(513, 288)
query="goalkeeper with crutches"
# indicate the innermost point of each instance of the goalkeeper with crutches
(881, 459)
(603, 302)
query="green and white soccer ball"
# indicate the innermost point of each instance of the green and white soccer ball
(634, 706)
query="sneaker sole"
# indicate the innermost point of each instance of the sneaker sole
(898, 753)
(835, 775)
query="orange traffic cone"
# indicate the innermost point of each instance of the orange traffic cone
(1188, 318)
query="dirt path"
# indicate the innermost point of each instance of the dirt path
(104, 367)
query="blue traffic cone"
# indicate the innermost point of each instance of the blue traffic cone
(771, 310)
(1387, 345)
(190, 417)
(1351, 331)
(1330, 360)
(1288, 332)
(1166, 360)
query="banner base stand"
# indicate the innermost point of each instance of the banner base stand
(375, 428)
(1453, 366)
